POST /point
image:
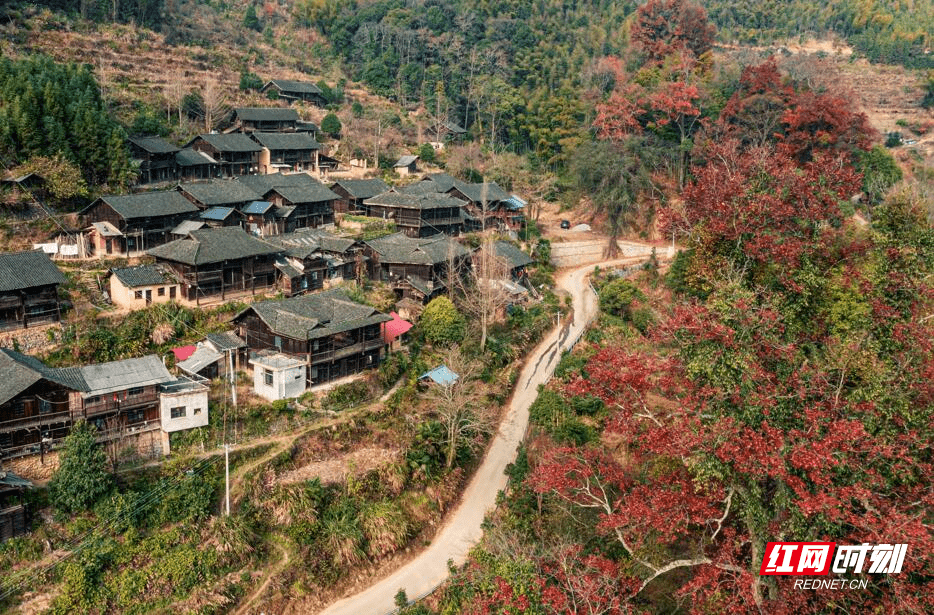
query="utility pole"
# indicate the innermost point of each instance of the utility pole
(231, 377)
(227, 478)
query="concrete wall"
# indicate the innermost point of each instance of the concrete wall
(191, 401)
(286, 383)
(126, 297)
(571, 253)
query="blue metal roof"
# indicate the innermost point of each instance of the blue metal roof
(514, 202)
(216, 213)
(257, 207)
(441, 375)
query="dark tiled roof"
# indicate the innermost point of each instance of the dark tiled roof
(154, 145)
(266, 114)
(20, 270)
(213, 245)
(228, 340)
(286, 140)
(21, 371)
(311, 193)
(233, 142)
(430, 200)
(305, 242)
(513, 255)
(299, 87)
(442, 181)
(405, 161)
(220, 192)
(192, 158)
(478, 193)
(261, 184)
(362, 188)
(147, 204)
(400, 248)
(315, 315)
(141, 275)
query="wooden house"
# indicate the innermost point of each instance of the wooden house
(130, 224)
(415, 268)
(335, 336)
(296, 91)
(14, 510)
(259, 218)
(155, 157)
(264, 119)
(213, 263)
(287, 152)
(484, 202)
(311, 204)
(353, 192)
(418, 215)
(192, 165)
(220, 216)
(313, 257)
(235, 153)
(28, 290)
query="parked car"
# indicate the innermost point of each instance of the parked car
(565, 224)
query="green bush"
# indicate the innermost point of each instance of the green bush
(330, 125)
(441, 323)
(618, 295)
(642, 318)
(82, 477)
(346, 395)
(250, 81)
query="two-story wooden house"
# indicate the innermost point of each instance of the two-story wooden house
(122, 399)
(314, 257)
(264, 119)
(130, 224)
(418, 214)
(212, 263)
(311, 205)
(287, 151)
(155, 157)
(333, 334)
(235, 153)
(192, 165)
(353, 192)
(28, 290)
(416, 268)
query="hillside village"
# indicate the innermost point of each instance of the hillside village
(464, 307)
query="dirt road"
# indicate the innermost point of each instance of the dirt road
(462, 529)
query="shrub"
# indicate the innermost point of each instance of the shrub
(618, 295)
(250, 81)
(427, 153)
(82, 477)
(441, 323)
(331, 125)
(346, 395)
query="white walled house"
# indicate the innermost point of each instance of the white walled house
(183, 404)
(278, 376)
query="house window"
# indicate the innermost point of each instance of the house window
(92, 400)
(45, 406)
(138, 294)
(19, 408)
(267, 377)
(136, 416)
(197, 411)
(161, 292)
(178, 413)
(277, 342)
(135, 391)
(298, 375)
(172, 292)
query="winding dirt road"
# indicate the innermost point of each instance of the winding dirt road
(463, 527)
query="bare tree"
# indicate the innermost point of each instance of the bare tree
(458, 405)
(175, 94)
(115, 432)
(214, 99)
(484, 294)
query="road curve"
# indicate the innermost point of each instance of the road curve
(462, 529)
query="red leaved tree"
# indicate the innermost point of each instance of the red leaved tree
(664, 27)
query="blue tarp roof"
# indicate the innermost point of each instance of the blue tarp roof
(257, 207)
(514, 202)
(442, 375)
(216, 213)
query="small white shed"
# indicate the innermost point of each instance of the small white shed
(278, 376)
